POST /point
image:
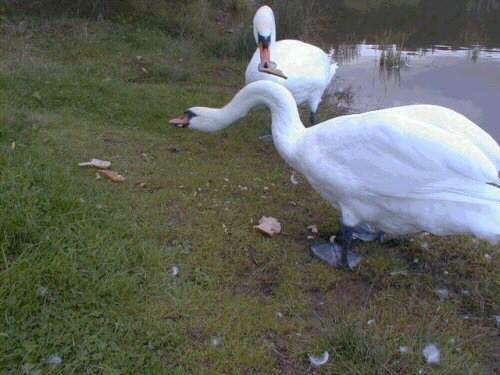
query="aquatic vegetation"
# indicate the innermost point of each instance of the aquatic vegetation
(392, 58)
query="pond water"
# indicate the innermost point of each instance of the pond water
(464, 79)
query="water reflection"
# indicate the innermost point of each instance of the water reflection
(379, 76)
(457, 22)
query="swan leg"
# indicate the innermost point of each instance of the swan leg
(347, 233)
(313, 104)
(312, 117)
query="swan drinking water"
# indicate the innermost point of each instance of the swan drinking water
(395, 171)
(308, 69)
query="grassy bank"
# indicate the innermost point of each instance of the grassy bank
(85, 263)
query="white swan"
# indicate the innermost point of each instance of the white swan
(395, 169)
(309, 69)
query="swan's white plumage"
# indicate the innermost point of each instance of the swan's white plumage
(398, 169)
(402, 175)
(456, 123)
(308, 68)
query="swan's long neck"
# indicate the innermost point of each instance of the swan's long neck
(286, 125)
(273, 32)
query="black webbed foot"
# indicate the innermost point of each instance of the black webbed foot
(338, 255)
(365, 233)
(331, 253)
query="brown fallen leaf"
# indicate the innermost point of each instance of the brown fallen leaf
(96, 163)
(269, 226)
(111, 175)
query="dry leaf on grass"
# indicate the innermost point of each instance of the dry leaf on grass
(96, 163)
(269, 225)
(111, 175)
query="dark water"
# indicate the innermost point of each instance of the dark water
(464, 79)
(434, 70)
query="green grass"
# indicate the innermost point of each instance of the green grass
(72, 90)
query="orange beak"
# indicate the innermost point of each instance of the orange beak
(265, 56)
(181, 121)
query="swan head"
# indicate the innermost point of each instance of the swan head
(199, 118)
(264, 30)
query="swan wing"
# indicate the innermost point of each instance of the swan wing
(381, 154)
(454, 122)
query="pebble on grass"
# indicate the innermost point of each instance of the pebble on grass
(174, 271)
(42, 291)
(432, 354)
(466, 293)
(27, 368)
(320, 360)
(404, 349)
(215, 341)
(442, 293)
(54, 360)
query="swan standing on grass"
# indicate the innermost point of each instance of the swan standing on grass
(309, 70)
(386, 168)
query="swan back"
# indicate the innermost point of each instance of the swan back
(454, 122)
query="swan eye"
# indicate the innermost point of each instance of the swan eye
(190, 114)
